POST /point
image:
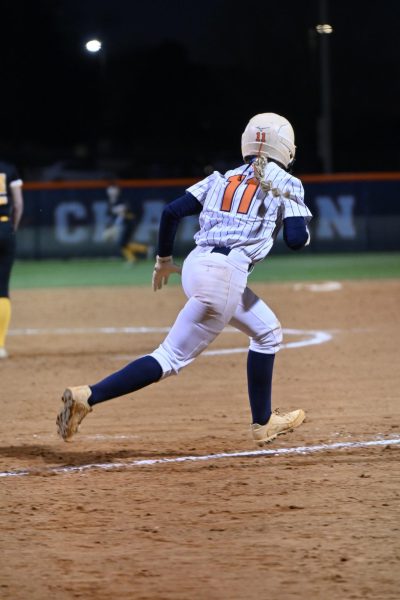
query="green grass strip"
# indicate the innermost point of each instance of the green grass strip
(115, 272)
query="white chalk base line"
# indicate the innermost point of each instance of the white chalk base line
(203, 458)
(314, 336)
(310, 337)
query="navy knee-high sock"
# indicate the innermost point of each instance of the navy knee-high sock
(133, 377)
(259, 381)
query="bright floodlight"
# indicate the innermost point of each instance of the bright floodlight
(93, 46)
(325, 28)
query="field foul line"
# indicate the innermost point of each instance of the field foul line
(313, 336)
(202, 458)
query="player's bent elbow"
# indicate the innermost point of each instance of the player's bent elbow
(168, 211)
(295, 233)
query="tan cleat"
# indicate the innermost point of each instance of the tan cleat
(277, 425)
(75, 409)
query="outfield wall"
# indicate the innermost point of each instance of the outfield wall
(352, 212)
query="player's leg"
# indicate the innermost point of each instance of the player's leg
(215, 288)
(254, 318)
(78, 401)
(7, 254)
(138, 249)
(127, 226)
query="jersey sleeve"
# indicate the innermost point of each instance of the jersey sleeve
(199, 190)
(293, 200)
(172, 214)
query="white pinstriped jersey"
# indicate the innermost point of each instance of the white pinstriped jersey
(237, 213)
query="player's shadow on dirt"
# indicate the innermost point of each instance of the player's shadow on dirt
(32, 454)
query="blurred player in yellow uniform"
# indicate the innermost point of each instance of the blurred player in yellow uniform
(11, 208)
(122, 222)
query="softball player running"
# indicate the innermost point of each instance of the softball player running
(11, 208)
(241, 214)
(122, 221)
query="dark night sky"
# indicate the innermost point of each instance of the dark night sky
(178, 80)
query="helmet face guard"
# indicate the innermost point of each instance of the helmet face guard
(271, 136)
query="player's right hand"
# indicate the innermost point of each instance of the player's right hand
(162, 270)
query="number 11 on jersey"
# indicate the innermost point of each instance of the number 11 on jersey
(247, 197)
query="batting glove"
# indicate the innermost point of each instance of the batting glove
(162, 270)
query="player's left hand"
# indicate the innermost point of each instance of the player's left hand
(162, 270)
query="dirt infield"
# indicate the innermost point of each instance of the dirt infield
(299, 526)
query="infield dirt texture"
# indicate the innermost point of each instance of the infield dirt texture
(323, 525)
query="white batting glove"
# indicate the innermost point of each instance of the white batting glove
(162, 270)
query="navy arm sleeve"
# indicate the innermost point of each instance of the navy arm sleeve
(295, 232)
(172, 214)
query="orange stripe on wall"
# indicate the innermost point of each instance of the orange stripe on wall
(184, 183)
(337, 177)
(101, 184)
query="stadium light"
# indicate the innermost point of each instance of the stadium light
(93, 46)
(325, 129)
(325, 28)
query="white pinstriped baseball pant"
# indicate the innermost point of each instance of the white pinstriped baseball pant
(216, 287)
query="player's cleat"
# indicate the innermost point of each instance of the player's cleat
(75, 409)
(277, 425)
(3, 353)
